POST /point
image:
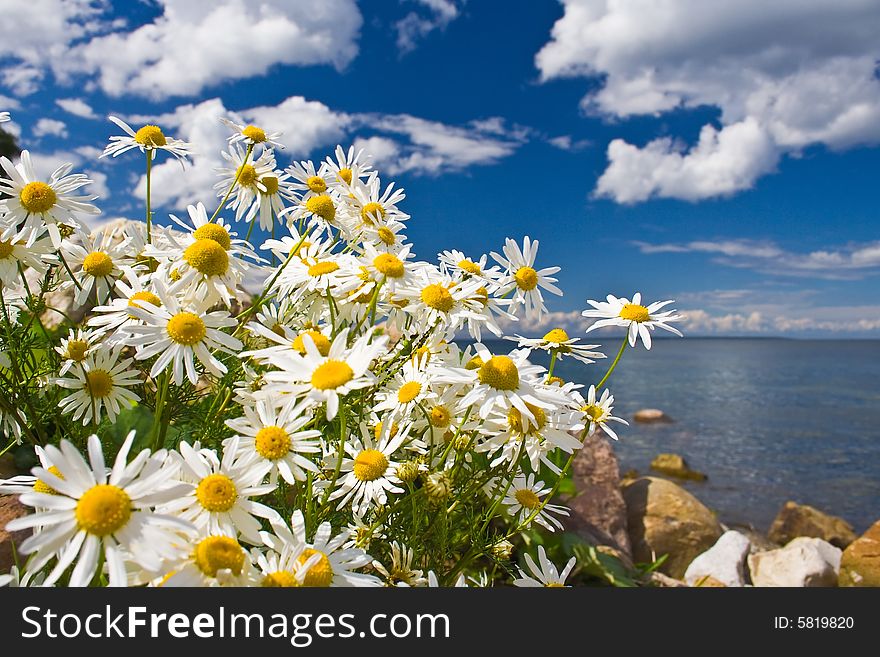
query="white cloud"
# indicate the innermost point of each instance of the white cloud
(77, 107)
(54, 127)
(99, 184)
(397, 143)
(195, 44)
(784, 76)
(416, 25)
(848, 262)
(9, 103)
(568, 143)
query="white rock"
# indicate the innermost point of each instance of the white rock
(724, 561)
(802, 562)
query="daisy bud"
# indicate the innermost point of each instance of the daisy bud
(502, 550)
(438, 486)
(408, 471)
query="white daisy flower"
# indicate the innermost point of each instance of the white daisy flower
(434, 583)
(597, 412)
(557, 341)
(74, 349)
(96, 263)
(524, 279)
(401, 571)
(248, 177)
(219, 500)
(546, 575)
(277, 436)
(309, 181)
(285, 569)
(347, 167)
(336, 564)
(215, 560)
(23, 249)
(113, 319)
(147, 139)
(524, 498)
(456, 263)
(375, 207)
(251, 134)
(101, 383)
(370, 472)
(178, 334)
(410, 386)
(324, 379)
(93, 511)
(362, 532)
(638, 319)
(32, 202)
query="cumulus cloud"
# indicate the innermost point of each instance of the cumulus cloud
(784, 76)
(45, 127)
(568, 143)
(77, 107)
(416, 25)
(190, 45)
(848, 262)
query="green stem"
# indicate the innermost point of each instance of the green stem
(161, 394)
(339, 456)
(552, 364)
(613, 365)
(149, 152)
(510, 476)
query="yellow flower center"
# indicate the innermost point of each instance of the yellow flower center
(6, 249)
(556, 335)
(322, 268)
(150, 136)
(216, 493)
(515, 419)
(255, 134)
(388, 265)
(248, 175)
(372, 210)
(370, 464)
(440, 417)
(321, 342)
(42, 487)
(474, 363)
(556, 380)
(76, 350)
(98, 264)
(143, 295)
(377, 430)
(469, 267)
(526, 278)
(437, 297)
(408, 392)
(319, 575)
(481, 294)
(272, 442)
(345, 175)
(99, 383)
(271, 184)
(322, 205)
(216, 232)
(217, 553)
(527, 498)
(500, 373)
(593, 411)
(279, 579)
(332, 375)
(635, 313)
(387, 235)
(103, 509)
(186, 328)
(317, 184)
(174, 274)
(207, 257)
(37, 197)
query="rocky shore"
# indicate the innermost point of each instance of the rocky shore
(642, 518)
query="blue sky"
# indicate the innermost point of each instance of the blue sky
(723, 154)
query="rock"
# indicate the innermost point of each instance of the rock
(674, 465)
(663, 518)
(757, 541)
(804, 562)
(651, 415)
(708, 582)
(10, 508)
(724, 562)
(598, 512)
(860, 563)
(796, 520)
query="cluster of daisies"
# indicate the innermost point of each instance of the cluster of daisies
(354, 415)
